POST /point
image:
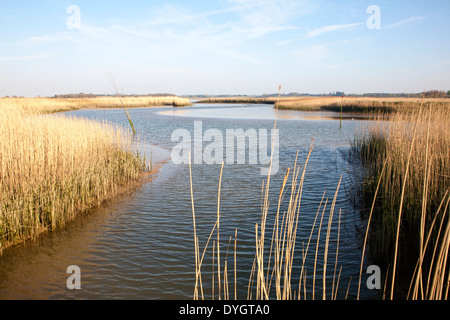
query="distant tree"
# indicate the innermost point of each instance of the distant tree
(448, 93)
(435, 94)
(336, 94)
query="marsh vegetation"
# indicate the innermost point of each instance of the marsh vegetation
(407, 186)
(51, 105)
(404, 194)
(53, 166)
(348, 104)
(356, 104)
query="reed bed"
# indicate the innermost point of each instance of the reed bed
(276, 256)
(277, 253)
(132, 102)
(240, 100)
(407, 234)
(336, 104)
(355, 104)
(272, 275)
(407, 162)
(53, 167)
(50, 105)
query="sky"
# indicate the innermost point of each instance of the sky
(248, 47)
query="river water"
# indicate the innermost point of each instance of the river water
(141, 245)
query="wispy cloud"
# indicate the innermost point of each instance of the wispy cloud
(23, 58)
(319, 31)
(313, 54)
(342, 65)
(441, 63)
(176, 28)
(51, 38)
(323, 56)
(399, 23)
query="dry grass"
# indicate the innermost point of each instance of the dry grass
(243, 100)
(275, 248)
(409, 158)
(276, 253)
(353, 104)
(346, 104)
(272, 270)
(52, 167)
(408, 229)
(49, 105)
(133, 102)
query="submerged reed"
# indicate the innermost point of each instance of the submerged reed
(276, 252)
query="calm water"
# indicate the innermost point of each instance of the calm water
(141, 246)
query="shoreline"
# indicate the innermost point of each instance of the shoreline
(53, 105)
(357, 105)
(123, 191)
(72, 172)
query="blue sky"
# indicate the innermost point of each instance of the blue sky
(223, 47)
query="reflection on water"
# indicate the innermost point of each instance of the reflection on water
(257, 112)
(141, 246)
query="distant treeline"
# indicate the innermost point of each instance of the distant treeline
(428, 94)
(92, 95)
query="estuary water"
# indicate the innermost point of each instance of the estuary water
(141, 245)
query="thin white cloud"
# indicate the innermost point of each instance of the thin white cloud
(399, 23)
(256, 18)
(177, 27)
(50, 38)
(322, 55)
(342, 65)
(285, 42)
(23, 58)
(319, 31)
(442, 63)
(174, 29)
(176, 15)
(312, 54)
